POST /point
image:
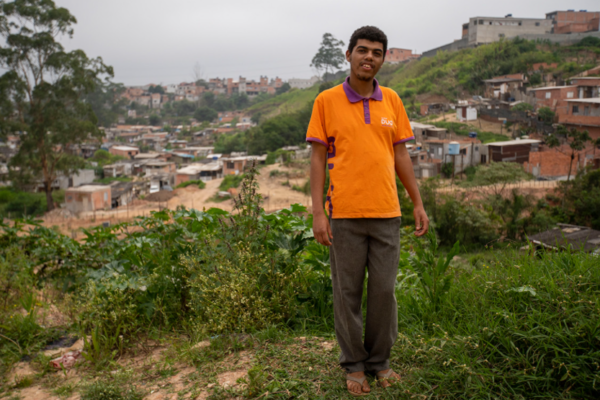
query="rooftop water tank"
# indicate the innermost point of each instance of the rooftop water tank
(472, 134)
(453, 148)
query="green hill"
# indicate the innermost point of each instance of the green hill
(285, 103)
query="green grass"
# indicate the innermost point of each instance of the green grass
(196, 182)
(285, 103)
(231, 181)
(464, 129)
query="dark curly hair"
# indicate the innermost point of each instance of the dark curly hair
(371, 33)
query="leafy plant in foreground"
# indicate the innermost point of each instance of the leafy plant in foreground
(431, 269)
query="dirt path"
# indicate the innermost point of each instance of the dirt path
(480, 124)
(276, 190)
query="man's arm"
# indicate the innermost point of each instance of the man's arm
(321, 228)
(405, 172)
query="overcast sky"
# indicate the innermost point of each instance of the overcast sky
(160, 41)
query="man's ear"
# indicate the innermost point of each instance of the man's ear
(348, 55)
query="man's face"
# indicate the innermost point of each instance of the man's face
(366, 59)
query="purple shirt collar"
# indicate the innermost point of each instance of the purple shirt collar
(354, 97)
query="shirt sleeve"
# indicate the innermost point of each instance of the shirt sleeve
(404, 131)
(316, 132)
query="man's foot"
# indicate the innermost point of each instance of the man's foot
(387, 378)
(357, 384)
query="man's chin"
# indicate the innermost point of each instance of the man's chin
(365, 78)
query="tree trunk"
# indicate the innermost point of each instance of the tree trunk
(570, 167)
(49, 200)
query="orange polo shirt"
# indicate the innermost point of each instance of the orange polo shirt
(360, 134)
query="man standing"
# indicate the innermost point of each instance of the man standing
(358, 131)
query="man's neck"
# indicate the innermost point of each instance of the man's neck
(364, 88)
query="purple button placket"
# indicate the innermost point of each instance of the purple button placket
(354, 97)
(367, 111)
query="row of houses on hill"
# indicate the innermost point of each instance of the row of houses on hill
(435, 147)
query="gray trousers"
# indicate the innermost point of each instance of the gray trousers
(374, 244)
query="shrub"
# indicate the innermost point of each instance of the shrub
(231, 181)
(107, 390)
(244, 282)
(201, 184)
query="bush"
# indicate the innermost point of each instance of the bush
(18, 204)
(201, 184)
(108, 390)
(231, 181)
(242, 283)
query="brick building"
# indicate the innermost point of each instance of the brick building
(583, 114)
(124, 151)
(395, 55)
(500, 87)
(554, 97)
(587, 87)
(554, 163)
(572, 21)
(513, 150)
(88, 198)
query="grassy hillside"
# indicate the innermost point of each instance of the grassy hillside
(461, 74)
(285, 103)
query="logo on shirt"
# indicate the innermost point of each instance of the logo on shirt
(387, 122)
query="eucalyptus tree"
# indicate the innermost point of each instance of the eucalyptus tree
(42, 91)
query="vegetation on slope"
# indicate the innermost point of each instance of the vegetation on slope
(459, 74)
(500, 324)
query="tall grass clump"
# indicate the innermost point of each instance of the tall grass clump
(515, 325)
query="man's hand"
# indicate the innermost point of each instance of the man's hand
(322, 230)
(421, 221)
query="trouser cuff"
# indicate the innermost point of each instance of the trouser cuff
(355, 367)
(378, 367)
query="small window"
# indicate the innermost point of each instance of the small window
(501, 35)
(548, 95)
(480, 22)
(569, 95)
(463, 151)
(476, 148)
(575, 110)
(537, 24)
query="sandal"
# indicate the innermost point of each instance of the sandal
(381, 377)
(360, 381)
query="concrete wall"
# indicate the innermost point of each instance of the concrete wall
(454, 46)
(563, 39)
(488, 30)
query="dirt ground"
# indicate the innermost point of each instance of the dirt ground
(276, 190)
(480, 124)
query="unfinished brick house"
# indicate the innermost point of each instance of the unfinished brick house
(395, 55)
(88, 198)
(583, 114)
(124, 151)
(554, 163)
(554, 97)
(572, 21)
